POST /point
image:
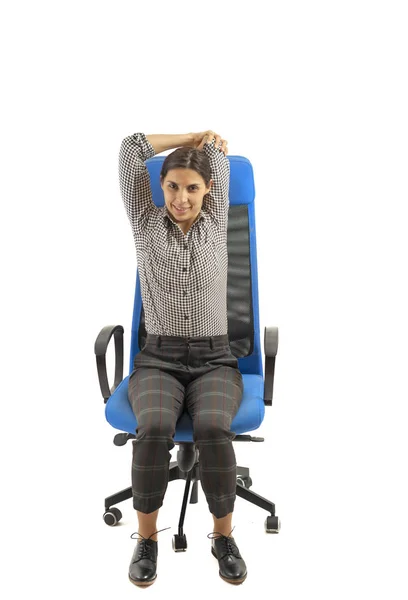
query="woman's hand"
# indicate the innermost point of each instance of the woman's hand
(199, 139)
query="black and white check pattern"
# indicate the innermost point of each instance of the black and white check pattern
(183, 277)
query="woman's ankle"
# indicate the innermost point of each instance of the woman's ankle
(148, 524)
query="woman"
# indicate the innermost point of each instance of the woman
(186, 361)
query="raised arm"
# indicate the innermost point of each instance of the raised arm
(217, 199)
(134, 179)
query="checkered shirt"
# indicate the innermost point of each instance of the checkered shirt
(183, 277)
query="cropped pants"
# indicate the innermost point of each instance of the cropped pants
(171, 374)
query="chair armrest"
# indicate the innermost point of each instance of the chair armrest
(271, 349)
(101, 346)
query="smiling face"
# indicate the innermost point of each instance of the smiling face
(185, 189)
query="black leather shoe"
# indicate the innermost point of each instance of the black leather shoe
(142, 568)
(232, 565)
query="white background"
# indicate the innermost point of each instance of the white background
(315, 94)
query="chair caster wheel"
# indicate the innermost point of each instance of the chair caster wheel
(179, 543)
(246, 482)
(112, 516)
(272, 524)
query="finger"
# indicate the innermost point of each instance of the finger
(203, 141)
(223, 146)
(210, 136)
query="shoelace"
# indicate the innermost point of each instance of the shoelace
(231, 549)
(144, 548)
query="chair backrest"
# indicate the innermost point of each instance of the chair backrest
(242, 285)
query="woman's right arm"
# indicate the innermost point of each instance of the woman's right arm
(134, 179)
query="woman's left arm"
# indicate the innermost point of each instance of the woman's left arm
(217, 199)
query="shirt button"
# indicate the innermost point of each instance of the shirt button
(185, 246)
(186, 316)
(184, 293)
(184, 268)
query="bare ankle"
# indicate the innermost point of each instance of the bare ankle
(223, 525)
(148, 524)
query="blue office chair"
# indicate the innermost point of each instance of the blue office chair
(243, 331)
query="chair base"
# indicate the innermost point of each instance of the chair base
(272, 524)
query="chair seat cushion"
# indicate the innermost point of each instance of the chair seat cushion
(119, 413)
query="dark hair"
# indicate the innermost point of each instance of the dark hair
(188, 158)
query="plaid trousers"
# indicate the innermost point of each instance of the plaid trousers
(171, 374)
